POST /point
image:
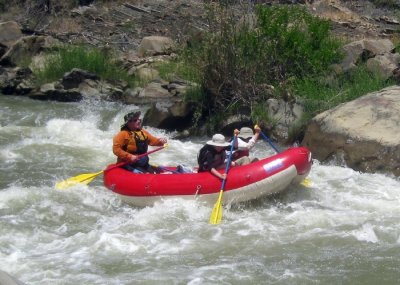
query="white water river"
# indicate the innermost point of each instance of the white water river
(344, 229)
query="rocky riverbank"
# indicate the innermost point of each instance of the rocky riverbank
(144, 32)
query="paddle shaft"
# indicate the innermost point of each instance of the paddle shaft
(216, 214)
(269, 141)
(88, 177)
(137, 157)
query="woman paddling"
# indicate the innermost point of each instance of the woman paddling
(133, 140)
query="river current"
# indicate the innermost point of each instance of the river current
(343, 229)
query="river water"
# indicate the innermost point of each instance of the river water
(344, 229)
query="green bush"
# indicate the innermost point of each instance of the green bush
(294, 43)
(244, 54)
(93, 60)
(178, 69)
(320, 94)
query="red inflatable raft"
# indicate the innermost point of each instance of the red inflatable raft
(247, 182)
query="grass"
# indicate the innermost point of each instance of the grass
(170, 70)
(96, 61)
(234, 61)
(322, 94)
(288, 48)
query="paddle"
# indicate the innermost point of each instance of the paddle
(269, 141)
(306, 182)
(86, 178)
(216, 214)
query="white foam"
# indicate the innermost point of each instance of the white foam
(85, 234)
(366, 233)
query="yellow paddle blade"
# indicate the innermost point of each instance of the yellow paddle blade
(306, 182)
(216, 214)
(85, 178)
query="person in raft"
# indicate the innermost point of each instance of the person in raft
(245, 142)
(131, 141)
(212, 156)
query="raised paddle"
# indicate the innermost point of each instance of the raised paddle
(86, 178)
(269, 141)
(216, 214)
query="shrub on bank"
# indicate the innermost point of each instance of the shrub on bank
(283, 46)
(93, 60)
(244, 54)
(323, 93)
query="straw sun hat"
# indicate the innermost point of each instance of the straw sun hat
(218, 140)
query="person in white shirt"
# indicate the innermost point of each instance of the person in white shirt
(246, 140)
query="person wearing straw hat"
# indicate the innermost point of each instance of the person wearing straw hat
(245, 142)
(133, 140)
(212, 156)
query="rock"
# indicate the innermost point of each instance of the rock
(59, 95)
(155, 45)
(75, 77)
(363, 50)
(364, 132)
(15, 81)
(27, 47)
(85, 2)
(3, 49)
(153, 92)
(10, 32)
(284, 115)
(169, 115)
(177, 87)
(147, 73)
(47, 87)
(385, 65)
(235, 122)
(130, 95)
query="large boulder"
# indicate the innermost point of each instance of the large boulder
(15, 81)
(75, 77)
(364, 134)
(284, 115)
(53, 92)
(169, 115)
(10, 32)
(155, 45)
(26, 48)
(379, 55)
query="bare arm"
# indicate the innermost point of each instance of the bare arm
(217, 174)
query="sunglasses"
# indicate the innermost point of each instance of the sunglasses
(135, 120)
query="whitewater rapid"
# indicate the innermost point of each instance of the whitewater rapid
(344, 229)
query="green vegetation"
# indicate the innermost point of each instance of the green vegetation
(178, 68)
(247, 56)
(272, 53)
(396, 42)
(321, 94)
(96, 61)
